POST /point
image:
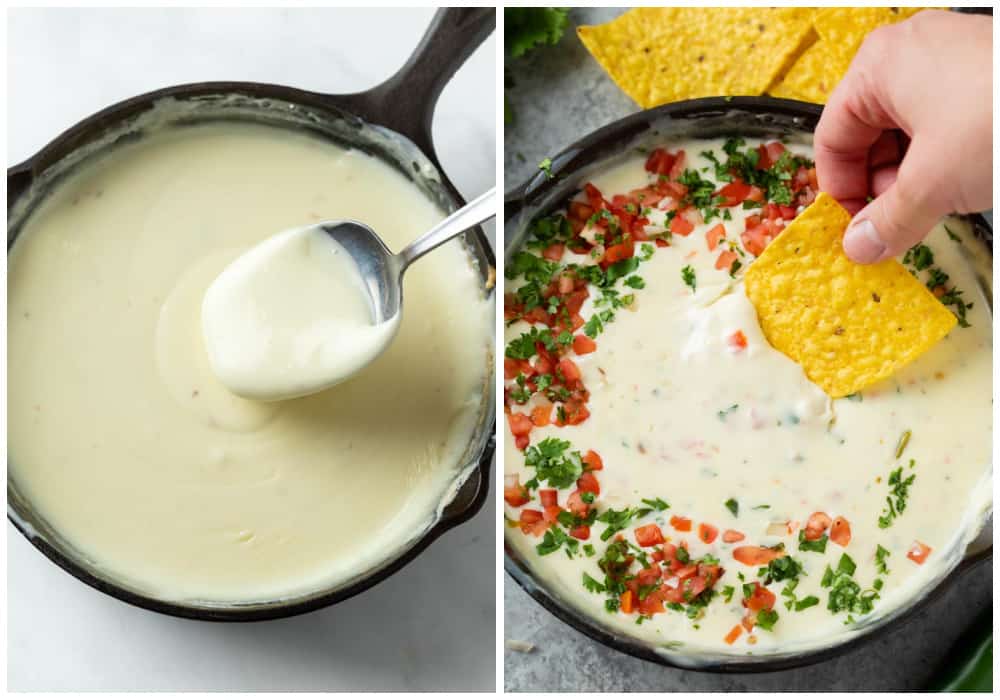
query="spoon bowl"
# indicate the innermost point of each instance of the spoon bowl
(381, 271)
(310, 307)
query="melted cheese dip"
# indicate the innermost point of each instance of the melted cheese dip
(680, 412)
(290, 317)
(122, 438)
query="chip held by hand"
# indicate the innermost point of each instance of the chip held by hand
(847, 325)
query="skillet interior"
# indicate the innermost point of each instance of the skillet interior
(702, 118)
(279, 107)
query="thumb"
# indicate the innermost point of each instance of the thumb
(901, 216)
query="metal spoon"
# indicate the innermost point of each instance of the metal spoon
(247, 307)
(381, 270)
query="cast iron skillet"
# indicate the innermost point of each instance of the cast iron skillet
(392, 121)
(704, 118)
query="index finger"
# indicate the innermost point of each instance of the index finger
(852, 121)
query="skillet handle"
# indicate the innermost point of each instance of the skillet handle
(405, 102)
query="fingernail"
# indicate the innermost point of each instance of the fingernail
(862, 243)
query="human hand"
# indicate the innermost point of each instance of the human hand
(911, 124)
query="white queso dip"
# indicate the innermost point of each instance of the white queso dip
(675, 478)
(122, 438)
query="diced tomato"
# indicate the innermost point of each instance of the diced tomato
(626, 602)
(733, 536)
(680, 524)
(714, 235)
(514, 493)
(573, 413)
(725, 260)
(918, 552)
(565, 284)
(511, 368)
(755, 556)
(588, 482)
(737, 341)
(660, 161)
(593, 461)
(544, 364)
(533, 522)
(760, 599)
(541, 415)
(576, 505)
(649, 535)
(681, 226)
(733, 635)
(554, 252)
(652, 604)
(673, 595)
(622, 251)
(551, 514)
(675, 190)
(685, 571)
(734, 193)
(756, 194)
(769, 154)
(707, 533)
(649, 575)
(816, 525)
(840, 531)
(771, 211)
(800, 180)
(694, 587)
(594, 197)
(710, 572)
(580, 532)
(756, 238)
(813, 180)
(578, 215)
(662, 243)
(574, 302)
(583, 345)
(677, 168)
(787, 213)
(548, 497)
(520, 424)
(668, 553)
(521, 441)
(569, 370)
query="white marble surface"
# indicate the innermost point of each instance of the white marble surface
(429, 627)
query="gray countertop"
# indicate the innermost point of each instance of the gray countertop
(559, 94)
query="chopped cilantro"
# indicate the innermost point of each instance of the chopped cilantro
(552, 463)
(733, 505)
(898, 493)
(807, 602)
(880, 556)
(812, 545)
(657, 503)
(687, 274)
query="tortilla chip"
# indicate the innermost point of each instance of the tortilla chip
(844, 28)
(813, 76)
(848, 325)
(663, 54)
(841, 30)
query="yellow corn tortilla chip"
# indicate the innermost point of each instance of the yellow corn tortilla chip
(813, 76)
(841, 30)
(844, 28)
(663, 54)
(848, 325)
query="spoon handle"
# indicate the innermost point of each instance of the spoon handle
(472, 214)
